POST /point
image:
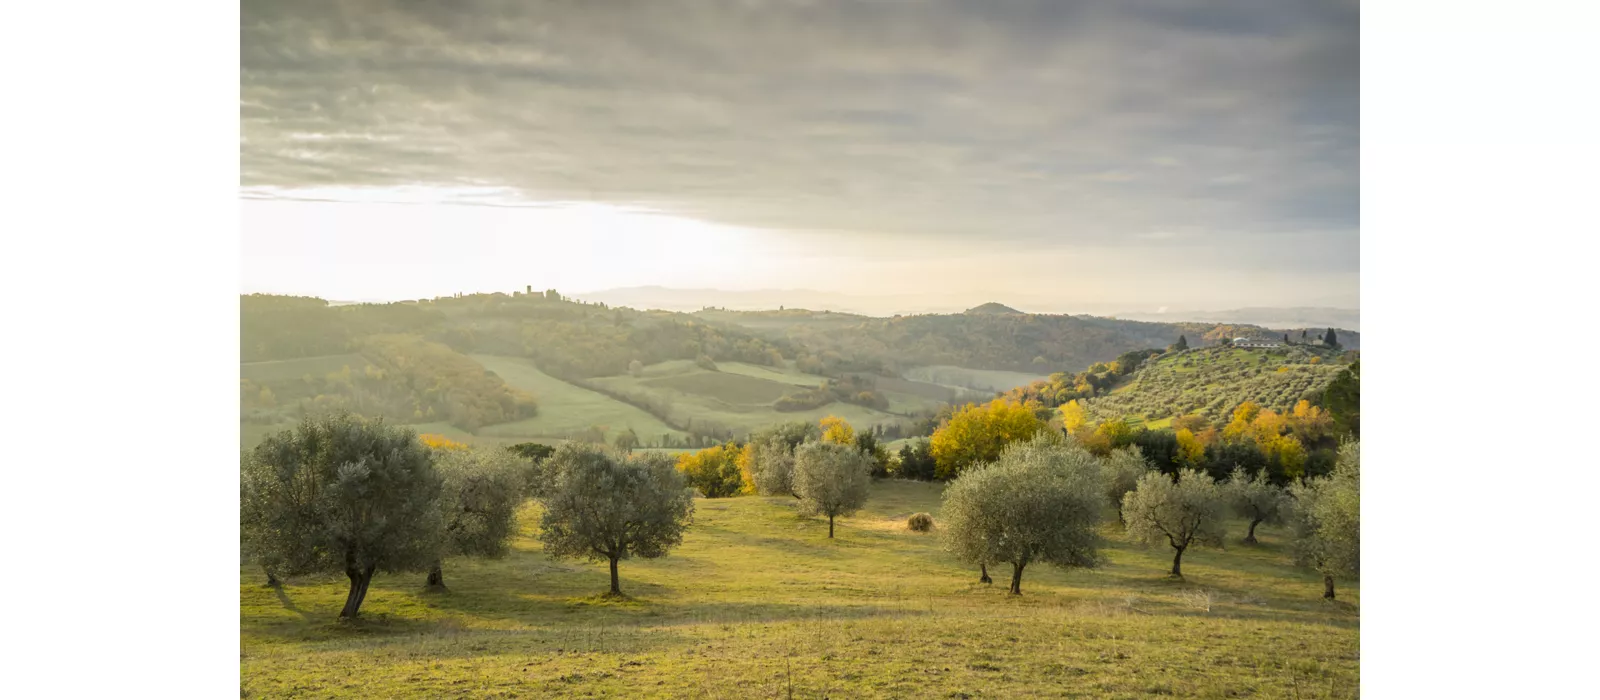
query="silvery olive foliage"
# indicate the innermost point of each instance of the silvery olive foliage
(1255, 499)
(1041, 501)
(342, 494)
(1182, 514)
(1327, 519)
(605, 505)
(482, 489)
(772, 467)
(831, 479)
(1121, 471)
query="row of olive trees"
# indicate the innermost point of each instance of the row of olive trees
(1042, 501)
(1325, 514)
(343, 494)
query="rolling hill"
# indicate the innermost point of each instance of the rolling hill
(539, 366)
(1212, 381)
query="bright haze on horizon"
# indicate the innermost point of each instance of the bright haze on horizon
(1110, 155)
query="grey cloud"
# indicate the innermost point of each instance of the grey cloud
(1091, 122)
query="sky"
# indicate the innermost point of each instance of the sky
(1141, 153)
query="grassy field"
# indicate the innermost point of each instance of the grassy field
(740, 400)
(565, 409)
(963, 377)
(759, 603)
(785, 375)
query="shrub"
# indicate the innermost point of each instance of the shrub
(919, 522)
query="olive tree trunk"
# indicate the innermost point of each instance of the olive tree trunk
(983, 574)
(830, 527)
(1327, 586)
(272, 580)
(360, 579)
(616, 588)
(1016, 577)
(1250, 537)
(1177, 563)
(436, 577)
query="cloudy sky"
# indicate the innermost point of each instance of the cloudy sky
(1195, 153)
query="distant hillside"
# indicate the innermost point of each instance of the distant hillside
(1212, 381)
(1271, 317)
(1007, 340)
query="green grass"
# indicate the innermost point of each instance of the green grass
(964, 377)
(732, 388)
(786, 375)
(732, 400)
(565, 409)
(757, 602)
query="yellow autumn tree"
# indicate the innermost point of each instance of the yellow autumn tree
(1289, 452)
(1268, 425)
(1106, 437)
(713, 471)
(746, 462)
(1239, 428)
(1072, 416)
(977, 433)
(1310, 422)
(1191, 451)
(836, 430)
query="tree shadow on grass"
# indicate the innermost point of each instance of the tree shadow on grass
(288, 604)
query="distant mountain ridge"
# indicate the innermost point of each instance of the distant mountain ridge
(992, 308)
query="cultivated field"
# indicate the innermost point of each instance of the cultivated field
(759, 603)
(967, 378)
(737, 398)
(565, 409)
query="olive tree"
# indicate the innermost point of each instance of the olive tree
(605, 505)
(772, 456)
(1041, 501)
(772, 467)
(481, 493)
(831, 479)
(1327, 520)
(1255, 499)
(341, 493)
(1183, 513)
(1120, 473)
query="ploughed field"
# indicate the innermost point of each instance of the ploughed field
(759, 603)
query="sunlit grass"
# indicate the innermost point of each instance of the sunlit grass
(759, 603)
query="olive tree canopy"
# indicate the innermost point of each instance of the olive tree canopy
(1120, 472)
(772, 467)
(1327, 519)
(831, 479)
(1042, 501)
(1255, 499)
(482, 490)
(604, 505)
(342, 493)
(1181, 514)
